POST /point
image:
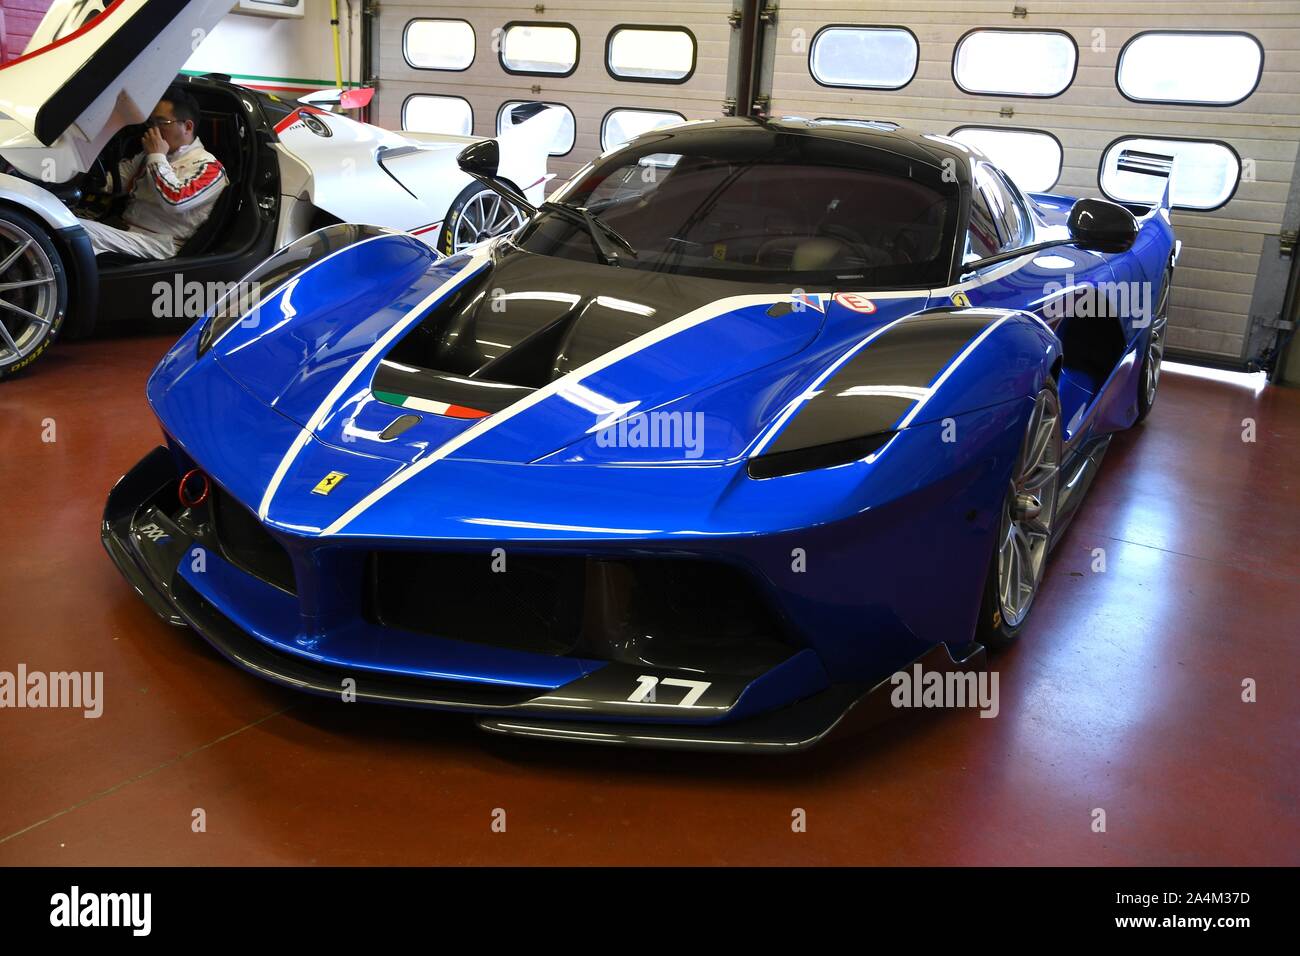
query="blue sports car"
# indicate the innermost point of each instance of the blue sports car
(747, 417)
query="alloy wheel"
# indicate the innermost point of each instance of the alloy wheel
(1029, 512)
(1156, 346)
(29, 294)
(485, 216)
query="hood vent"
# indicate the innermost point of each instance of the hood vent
(522, 324)
(478, 352)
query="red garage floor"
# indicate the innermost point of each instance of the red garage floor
(1125, 695)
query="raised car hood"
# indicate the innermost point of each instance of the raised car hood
(92, 68)
(387, 331)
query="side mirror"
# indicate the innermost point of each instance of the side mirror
(1102, 226)
(481, 158)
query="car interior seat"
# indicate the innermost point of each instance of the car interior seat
(219, 133)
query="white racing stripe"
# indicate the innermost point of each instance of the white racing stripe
(1004, 269)
(344, 383)
(484, 425)
(574, 378)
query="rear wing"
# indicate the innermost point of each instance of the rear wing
(353, 99)
(525, 152)
(1149, 164)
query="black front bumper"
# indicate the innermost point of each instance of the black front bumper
(147, 545)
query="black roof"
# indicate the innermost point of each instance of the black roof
(878, 138)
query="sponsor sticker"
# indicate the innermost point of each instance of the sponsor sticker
(856, 302)
(959, 299)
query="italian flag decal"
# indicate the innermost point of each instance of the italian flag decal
(428, 405)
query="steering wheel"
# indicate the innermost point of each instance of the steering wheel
(872, 256)
(906, 247)
(95, 179)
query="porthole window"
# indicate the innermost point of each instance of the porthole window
(1203, 173)
(650, 54)
(1031, 158)
(1209, 69)
(514, 112)
(873, 58)
(1015, 62)
(621, 126)
(548, 49)
(438, 44)
(425, 113)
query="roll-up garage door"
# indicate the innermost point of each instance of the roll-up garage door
(456, 67)
(1222, 94)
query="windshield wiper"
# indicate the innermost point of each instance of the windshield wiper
(604, 237)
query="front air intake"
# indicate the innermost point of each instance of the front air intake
(245, 542)
(668, 612)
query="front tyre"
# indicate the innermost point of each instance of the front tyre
(1028, 518)
(476, 215)
(33, 291)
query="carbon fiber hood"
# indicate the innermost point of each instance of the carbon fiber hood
(463, 339)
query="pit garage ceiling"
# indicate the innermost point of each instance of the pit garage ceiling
(1233, 270)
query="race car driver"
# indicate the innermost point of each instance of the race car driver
(172, 185)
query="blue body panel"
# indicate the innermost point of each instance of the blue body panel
(284, 398)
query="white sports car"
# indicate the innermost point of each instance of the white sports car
(94, 68)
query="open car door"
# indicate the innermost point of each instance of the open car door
(93, 67)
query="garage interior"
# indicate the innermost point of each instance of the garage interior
(1125, 693)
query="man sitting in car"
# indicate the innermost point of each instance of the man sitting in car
(172, 185)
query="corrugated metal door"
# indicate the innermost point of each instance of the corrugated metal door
(1225, 250)
(591, 91)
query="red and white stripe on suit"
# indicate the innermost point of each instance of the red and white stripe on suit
(171, 196)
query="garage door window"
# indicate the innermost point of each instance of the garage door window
(514, 112)
(1031, 158)
(539, 48)
(650, 54)
(1015, 62)
(620, 126)
(425, 113)
(1204, 173)
(1208, 69)
(438, 44)
(874, 58)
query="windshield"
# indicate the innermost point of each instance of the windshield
(791, 210)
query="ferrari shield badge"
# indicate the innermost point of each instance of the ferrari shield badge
(328, 483)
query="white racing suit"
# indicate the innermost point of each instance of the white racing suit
(171, 196)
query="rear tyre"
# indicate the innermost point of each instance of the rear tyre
(33, 291)
(1028, 518)
(476, 215)
(1149, 377)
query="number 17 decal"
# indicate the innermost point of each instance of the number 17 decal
(646, 684)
